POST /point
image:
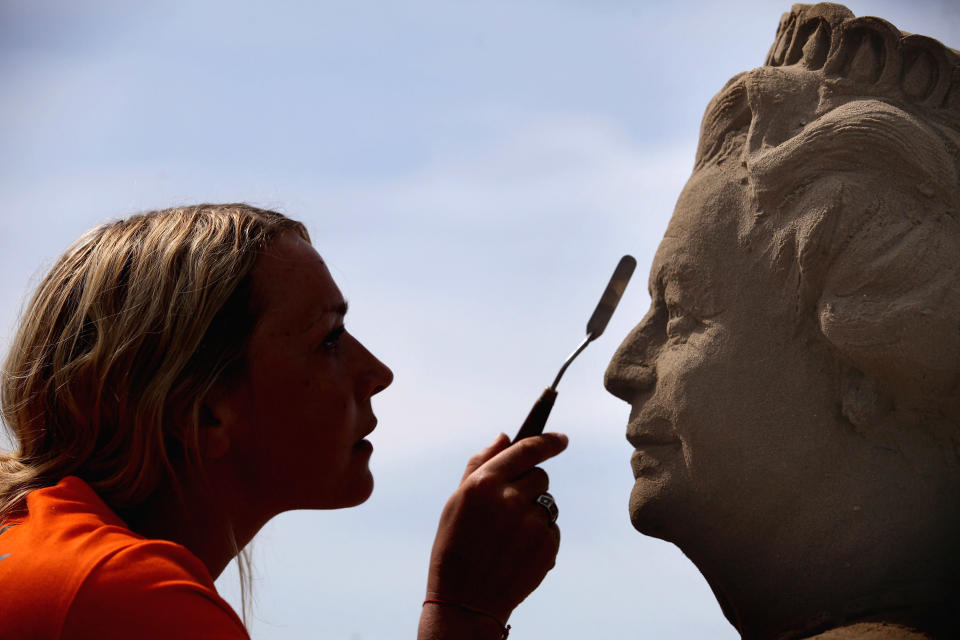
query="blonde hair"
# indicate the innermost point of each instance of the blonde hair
(121, 342)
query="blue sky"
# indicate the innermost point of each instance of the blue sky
(471, 171)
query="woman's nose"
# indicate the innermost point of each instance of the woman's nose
(374, 376)
(382, 376)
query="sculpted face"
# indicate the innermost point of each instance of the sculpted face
(804, 300)
(720, 390)
(795, 404)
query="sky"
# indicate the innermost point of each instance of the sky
(471, 172)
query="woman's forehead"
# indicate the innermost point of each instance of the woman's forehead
(291, 282)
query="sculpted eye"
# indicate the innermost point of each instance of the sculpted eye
(679, 323)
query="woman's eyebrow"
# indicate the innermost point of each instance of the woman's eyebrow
(340, 308)
(337, 308)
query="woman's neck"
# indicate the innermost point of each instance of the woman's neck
(192, 517)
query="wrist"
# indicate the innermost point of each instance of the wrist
(443, 619)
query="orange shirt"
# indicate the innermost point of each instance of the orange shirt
(71, 569)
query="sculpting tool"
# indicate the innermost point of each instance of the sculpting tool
(538, 415)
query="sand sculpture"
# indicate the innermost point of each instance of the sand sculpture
(794, 386)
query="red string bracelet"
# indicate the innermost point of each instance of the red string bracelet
(504, 628)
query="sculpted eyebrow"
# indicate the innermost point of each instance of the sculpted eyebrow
(658, 281)
(689, 278)
(667, 271)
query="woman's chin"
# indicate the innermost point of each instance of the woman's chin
(358, 491)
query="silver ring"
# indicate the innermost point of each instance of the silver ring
(546, 501)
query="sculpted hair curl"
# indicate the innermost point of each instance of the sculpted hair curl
(121, 342)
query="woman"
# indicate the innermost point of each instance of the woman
(181, 377)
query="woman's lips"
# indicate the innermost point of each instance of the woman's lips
(373, 425)
(364, 446)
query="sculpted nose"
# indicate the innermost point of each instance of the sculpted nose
(627, 380)
(632, 370)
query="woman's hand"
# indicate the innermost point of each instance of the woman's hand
(494, 545)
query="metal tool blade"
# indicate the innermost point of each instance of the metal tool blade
(611, 297)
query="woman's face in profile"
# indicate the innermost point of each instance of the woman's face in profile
(303, 409)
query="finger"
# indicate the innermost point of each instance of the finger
(501, 442)
(517, 458)
(546, 508)
(544, 538)
(550, 542)
(532, 483)
(553, 543)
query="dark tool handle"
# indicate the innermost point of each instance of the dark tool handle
(538, 415)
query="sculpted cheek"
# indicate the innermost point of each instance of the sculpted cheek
(688, 377)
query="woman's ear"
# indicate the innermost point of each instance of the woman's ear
(217, 417)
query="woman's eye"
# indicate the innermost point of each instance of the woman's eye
(333, 338)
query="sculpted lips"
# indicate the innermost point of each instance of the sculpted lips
(652, 440)
(644, 434)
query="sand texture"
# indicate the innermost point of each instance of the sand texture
(794, 385)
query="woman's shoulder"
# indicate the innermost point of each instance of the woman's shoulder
(71, 562)
(151, 589)
(64, 533)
